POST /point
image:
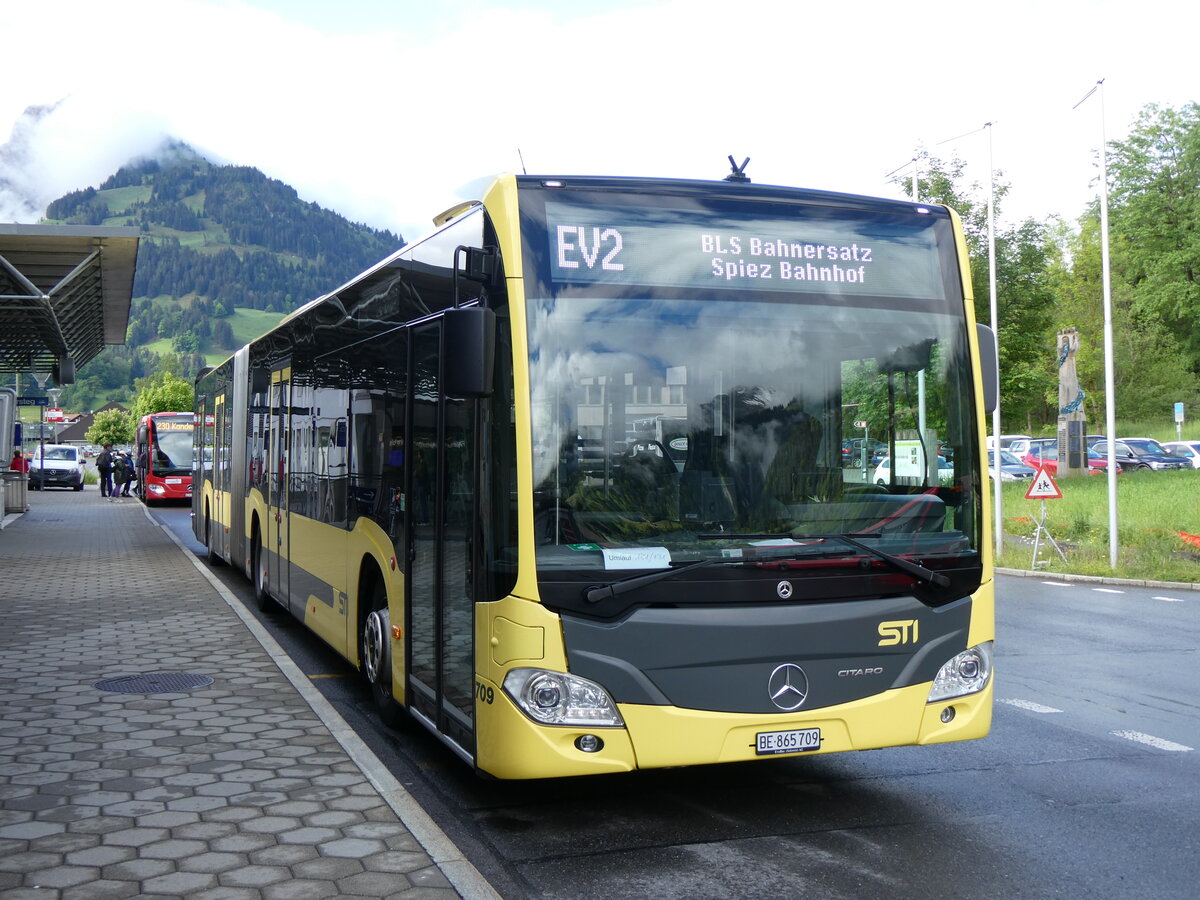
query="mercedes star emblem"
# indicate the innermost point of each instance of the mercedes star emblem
(788, 687)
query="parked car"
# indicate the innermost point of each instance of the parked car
(1006, 440)
(56, 465)
(1021, 447)
(1141, 454)
(1189, 450)
(1011, 467)
(852, 451)
(1045, 456)
(883, 471)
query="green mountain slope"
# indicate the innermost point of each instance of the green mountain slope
(225, 253)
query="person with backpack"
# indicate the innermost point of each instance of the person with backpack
(120, 477)
(133, 475)
(124, 465)
(104, 465)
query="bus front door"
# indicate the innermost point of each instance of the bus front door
(440, 631)
(276, 543)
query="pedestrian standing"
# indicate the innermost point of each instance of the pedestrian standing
(104, 465)
(143, 463)
(127, 465)
(19, 462)
(120, 476)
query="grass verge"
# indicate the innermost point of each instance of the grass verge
(1158, 527)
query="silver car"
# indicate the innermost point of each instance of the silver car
(1011, 468)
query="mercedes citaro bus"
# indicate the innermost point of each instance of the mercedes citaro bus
(563, 479)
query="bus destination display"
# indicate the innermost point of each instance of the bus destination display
(881, 255)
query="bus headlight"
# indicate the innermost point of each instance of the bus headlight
(555, 698)
(967, 673)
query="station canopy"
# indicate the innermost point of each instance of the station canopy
(65, 292)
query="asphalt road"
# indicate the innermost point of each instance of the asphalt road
(1088, 786)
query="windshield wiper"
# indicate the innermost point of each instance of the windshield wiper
(608, 591)
(916, 570)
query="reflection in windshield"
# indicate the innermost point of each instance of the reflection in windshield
(658, 421)
(173, 452)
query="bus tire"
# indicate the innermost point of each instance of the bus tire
(262, 597)
(375, 651)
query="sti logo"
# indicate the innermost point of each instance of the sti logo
(902, 631)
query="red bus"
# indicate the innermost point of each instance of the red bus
(164, 456)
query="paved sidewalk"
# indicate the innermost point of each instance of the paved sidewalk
(225, 775)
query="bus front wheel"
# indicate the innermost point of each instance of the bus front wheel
(375, 654)
(262, 597)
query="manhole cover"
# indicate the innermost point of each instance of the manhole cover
(153, 683)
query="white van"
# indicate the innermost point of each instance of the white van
(56, 465)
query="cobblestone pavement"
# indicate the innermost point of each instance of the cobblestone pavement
(118, 781)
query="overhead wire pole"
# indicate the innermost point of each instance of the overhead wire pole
(1110, 415)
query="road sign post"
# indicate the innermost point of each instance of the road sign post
(1043, 488)
(864, 452)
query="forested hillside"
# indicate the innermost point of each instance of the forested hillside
(217, 242)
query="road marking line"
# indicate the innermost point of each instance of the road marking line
(1107, 591)
(1031, 706)
(1057, 583)
(1169, 599)
(1152, 741)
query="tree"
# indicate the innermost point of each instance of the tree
(1152, 369)
(1024, 291)
(186, 342)
(162, 392)
(1154, 199)
(111, 426)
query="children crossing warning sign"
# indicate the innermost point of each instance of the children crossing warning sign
(1043, 487)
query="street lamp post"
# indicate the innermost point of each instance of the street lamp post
(995, 317)
(995, 314)
(1110, 415)
(41, 378)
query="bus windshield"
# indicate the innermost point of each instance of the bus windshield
(172, 447)
(692, 406)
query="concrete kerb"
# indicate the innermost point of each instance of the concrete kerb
(466, 879)
(1100, 579)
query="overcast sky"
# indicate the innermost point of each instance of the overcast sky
(389, 111)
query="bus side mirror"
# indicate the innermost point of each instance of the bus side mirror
(470, 342)
(989, 366)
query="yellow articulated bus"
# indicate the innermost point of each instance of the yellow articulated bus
(568, 480)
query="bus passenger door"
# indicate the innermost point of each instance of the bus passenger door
(441, 594)
(276, 543)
